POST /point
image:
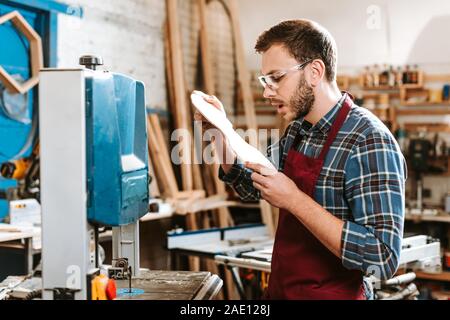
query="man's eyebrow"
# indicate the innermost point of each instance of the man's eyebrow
(270, 72)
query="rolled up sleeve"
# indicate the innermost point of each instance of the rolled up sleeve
(375, 177)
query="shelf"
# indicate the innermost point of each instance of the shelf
(439, 276)
(442, 276)
(429, 218)
(424, 104)
(423, 112)
(411, 86)
(397, 88)
(430, 127)
(381, 88)
(437, 78)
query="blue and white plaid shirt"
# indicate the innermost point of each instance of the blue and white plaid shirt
(362, 183)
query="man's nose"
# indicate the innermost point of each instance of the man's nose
(268, 92)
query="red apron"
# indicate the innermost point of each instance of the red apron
(302, 267)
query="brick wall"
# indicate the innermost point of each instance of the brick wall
(127, 34)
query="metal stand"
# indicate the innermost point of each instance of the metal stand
(125, 241)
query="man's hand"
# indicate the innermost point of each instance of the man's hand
(206, 125)
(276, 187)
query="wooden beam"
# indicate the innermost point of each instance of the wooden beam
(168, 64)
(158, 153)
(242, 71)
(208, 77)
(197, 205)
(181, 105)
(154, 188)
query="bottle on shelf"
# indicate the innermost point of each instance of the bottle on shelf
(415, 74)
(385, 76)
(368, 79)
(391, 77)
(376, 75)
(406, 75)
(399, 76)
(446, 92)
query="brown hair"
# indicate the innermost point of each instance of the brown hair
(304, 39)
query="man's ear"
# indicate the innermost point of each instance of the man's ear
(317, 72)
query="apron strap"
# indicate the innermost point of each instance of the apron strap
(337, 124)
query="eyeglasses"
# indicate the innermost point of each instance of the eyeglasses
(273, 80)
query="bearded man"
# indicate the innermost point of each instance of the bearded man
(340, 184)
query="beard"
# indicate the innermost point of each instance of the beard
(303, 99)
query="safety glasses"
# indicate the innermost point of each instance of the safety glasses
(273, 80)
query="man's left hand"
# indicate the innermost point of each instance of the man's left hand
(275, 187)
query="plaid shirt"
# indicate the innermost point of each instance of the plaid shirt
(362, 183)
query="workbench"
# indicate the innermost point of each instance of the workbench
(20, 238)
(231, 244)
(228, 248)
(172, 285)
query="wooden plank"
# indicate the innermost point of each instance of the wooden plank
(24, 27)
(8, 16)
(194, 262)
(208, 177)
(192, 194)
(181, 105)
(163, 169)
(242, 70)
(165, 155)
(208, 77)
(157, 129)
(198, 205)
(154, 188)
(276, 214)
(267, 216)
(154, 154)
(168, 64)
(196, 168)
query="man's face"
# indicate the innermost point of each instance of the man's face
(294, 97)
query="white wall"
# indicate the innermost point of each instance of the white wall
(411, 31)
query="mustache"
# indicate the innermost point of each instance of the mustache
(276, 101)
